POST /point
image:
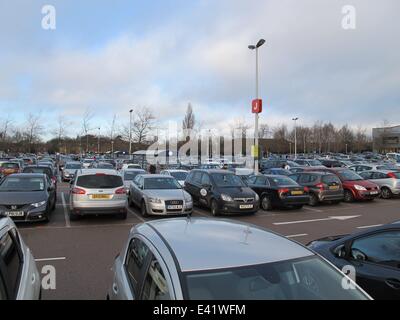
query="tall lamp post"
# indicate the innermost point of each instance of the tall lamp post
(257, 111)
(130, 133)
(295, 137)
(98, 142)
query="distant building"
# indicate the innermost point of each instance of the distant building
(386, 139)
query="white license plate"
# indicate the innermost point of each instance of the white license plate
(15, 213)
(373, 192)
(246, 206)
(177, 207)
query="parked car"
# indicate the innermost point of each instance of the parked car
(308, 162)
(69, 170)
(209, 259)
(374, 254)
(355, 187)
(388, 181)
(278, 192)
(129, 175)
(222, 191)
(329, 163)
(368, 167)
(96, 192)
(277, 171)
(7, 168)
(27, 197)
(161, 195)
(42, 169)
(102, 165)
(86, 163)
(131, 166)
(179, 175)
(19, 276)
(323, 187)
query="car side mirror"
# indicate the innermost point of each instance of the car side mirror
(340, 251)
(358, 255)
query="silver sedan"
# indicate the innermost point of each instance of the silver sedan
(159, 195)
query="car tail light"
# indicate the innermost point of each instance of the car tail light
(391, 175)
(120, 191)
(283, 191)
(320, 186)
(306, 189)
(78, 191)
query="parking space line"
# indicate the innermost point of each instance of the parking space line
(51, 259)
(66, 216)
(371, 226)
(297, 235)
(312, 209)
(136, 215)
(201, 213)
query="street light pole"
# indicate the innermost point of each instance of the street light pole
(98, 142)
(295, 137)
(130, 133)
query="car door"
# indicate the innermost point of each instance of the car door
(52, 192)
(138, 189)
(376, 258)
(381, 179)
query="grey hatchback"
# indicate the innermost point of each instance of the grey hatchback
(209, 259)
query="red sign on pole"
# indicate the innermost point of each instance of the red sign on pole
(256, 106)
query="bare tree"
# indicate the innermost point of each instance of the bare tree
(143, 123)
(60, 131)
(263, 131)
(5, 126)
(33, 129)
(87, 117)
(189, 120)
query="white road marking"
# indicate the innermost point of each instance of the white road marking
(312, 209)
(341, 218)
(371, 226)
(297, 235)
(51, 259)
(136, 215)
(66, 216)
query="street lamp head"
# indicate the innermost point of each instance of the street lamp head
(251, 47)
(130, 111)
(295, 119)
(260, 43)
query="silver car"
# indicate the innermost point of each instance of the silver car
(69, 170)
(388, 181)
(208, 259)
(159, 195)
(128, 175)
(368, 167)
(97, 191)
(179, 175)
(19, 276)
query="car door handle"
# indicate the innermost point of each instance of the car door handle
(115, 288)
(393, 283)
(33, 279)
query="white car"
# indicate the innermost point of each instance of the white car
(179, 175)
(86, 163)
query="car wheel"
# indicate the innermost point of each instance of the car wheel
(348, 196)
(386, 193)
(300, 206)
(130, 203)
(214, 208)
(313, 200)
(143, 209)
(266, 203)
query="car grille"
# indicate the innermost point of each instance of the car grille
(14, 207)
(174, 202)
(244, 200)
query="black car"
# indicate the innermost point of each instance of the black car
(373, 253)
(222, 191)
(323, 187)
(27, 197)
(278, 191)
(42, 169)
(331, 163)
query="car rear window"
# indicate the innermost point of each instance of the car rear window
(328, 179)
(283, 181)
(46, 171)
(10, 165)
(99, 181)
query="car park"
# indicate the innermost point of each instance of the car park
(181, 258)
(69, 170)
(388, 181)
(159, 195)
(129, 175)
(323, 187)
(179, 175)
(97, 192)
(19, 276)
(27, 197)
(278, 192)
(373, 253)
(222, 191)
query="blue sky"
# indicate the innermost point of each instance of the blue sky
(111, 55)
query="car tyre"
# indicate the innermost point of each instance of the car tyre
(386, 193)
(313, 200)
(348, 196)
(214, 208)
(266, 203)
(299, 206)
(130, 202)
(143, 209)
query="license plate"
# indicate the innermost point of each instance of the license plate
(246, 206)
(100, 196)
(175, 207)
(15, 213)
(334, 188)
(297, 193)
(374, 192)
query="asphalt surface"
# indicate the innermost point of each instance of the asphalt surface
(83, 251)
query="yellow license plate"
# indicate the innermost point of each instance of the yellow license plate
(334, 188)
(101, 196)
(296, 193)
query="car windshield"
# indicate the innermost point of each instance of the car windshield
(131, 175)
(283, 181)
(73, 166)
(178, 175)
(308, 278)
(99, 181)
(226, 180)
(161, 184)
(37, 170)
(349, 175)
(22, 184)
(315, 163)
(10, 165)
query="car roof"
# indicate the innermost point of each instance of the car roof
(205, 244)
(84, 172)
(27, 175)
(133, 170)
(175, 170)
(213, 171)
(149, 175)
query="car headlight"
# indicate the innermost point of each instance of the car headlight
(359, 188)
(257, 197)
(226, 198)
(155, 200)
(38, 204)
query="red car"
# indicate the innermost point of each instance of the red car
(355, 187)
(8, 168)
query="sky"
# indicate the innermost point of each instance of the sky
(110, 56)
